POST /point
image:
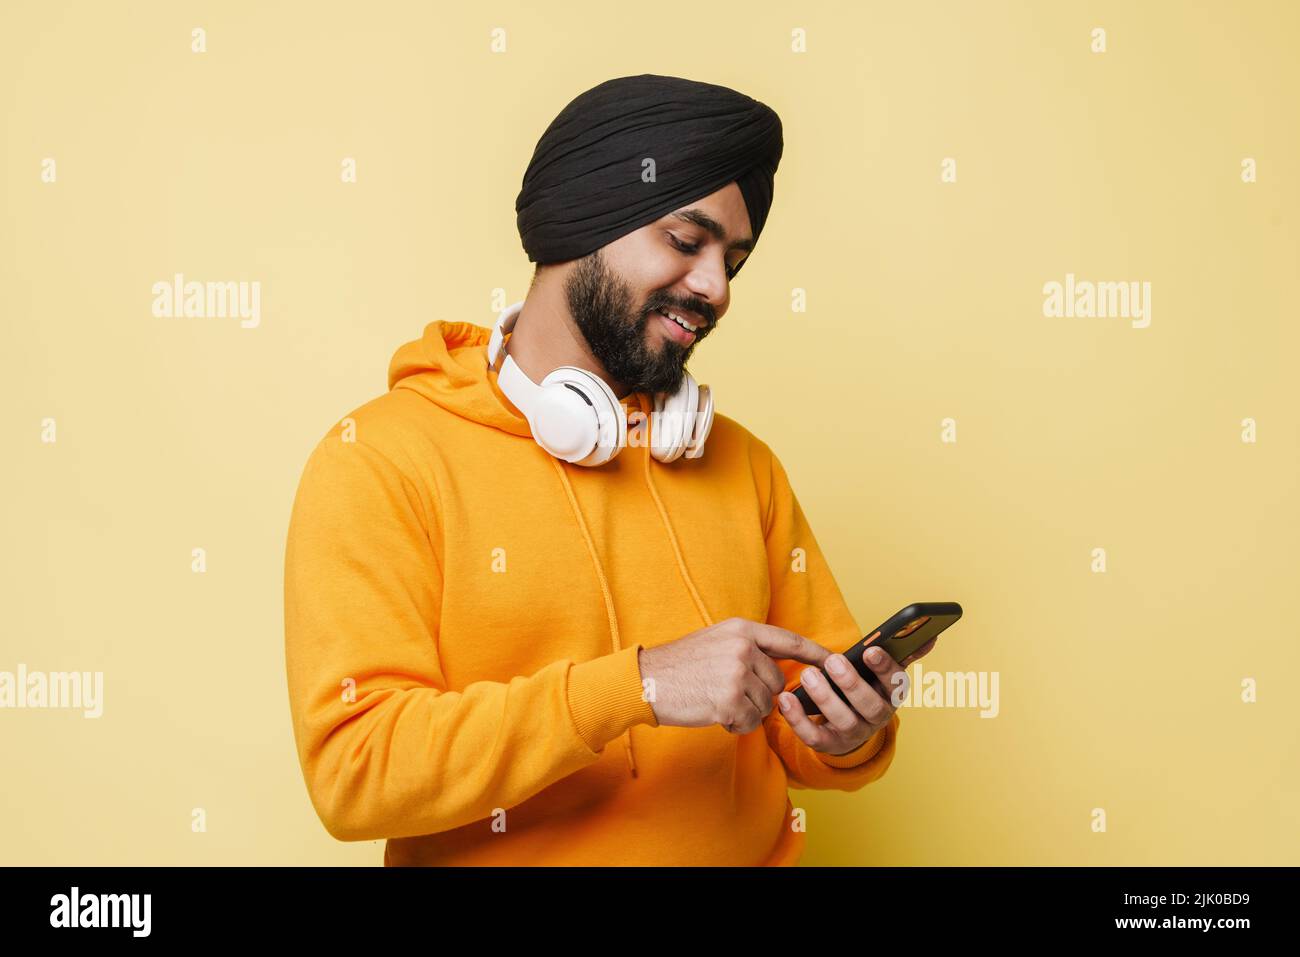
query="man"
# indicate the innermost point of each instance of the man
(472, 619)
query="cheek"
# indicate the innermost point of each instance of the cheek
(651, 266)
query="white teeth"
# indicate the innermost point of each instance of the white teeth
(679, 320)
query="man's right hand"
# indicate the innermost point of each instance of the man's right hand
(723, 674)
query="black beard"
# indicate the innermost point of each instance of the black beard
(601, 306)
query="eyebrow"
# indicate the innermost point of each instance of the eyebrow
(702, 219)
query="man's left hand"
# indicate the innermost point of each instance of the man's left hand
(844, 728)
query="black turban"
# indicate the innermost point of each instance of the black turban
(584, 188)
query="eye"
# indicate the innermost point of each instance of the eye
(691, 249)
(684, 247)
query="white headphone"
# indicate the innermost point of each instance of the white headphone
(576, 417)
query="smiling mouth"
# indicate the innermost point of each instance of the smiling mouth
(679, 320)
(676, 330)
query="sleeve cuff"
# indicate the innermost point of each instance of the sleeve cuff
(862, 753)
(605, 697)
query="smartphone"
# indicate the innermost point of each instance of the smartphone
(898, 637)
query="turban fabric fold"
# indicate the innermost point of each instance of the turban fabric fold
(584, 186)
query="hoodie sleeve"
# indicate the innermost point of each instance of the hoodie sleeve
(386, 748)
(806, 599)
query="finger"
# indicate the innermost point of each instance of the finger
(921, 652)
(809, 733)
(759, 693)
(746, 718)
(769, 672)
(867, 702)
(839, 715)
(783, 643)
(892, 677)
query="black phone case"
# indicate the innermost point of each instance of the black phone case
(896, 638)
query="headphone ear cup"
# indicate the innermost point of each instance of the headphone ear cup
(703, 423)
(676, 421)
(563, 422)
(589, 402)
(659, 447)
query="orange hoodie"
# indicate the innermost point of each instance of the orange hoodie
(463, 614)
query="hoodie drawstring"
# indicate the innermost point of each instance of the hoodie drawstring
(681, 562)
(610, 614)
(604, 586)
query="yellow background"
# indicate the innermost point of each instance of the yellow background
(1119, 691)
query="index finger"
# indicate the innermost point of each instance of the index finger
(921, 652)
(782, 643)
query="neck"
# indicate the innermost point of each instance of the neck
(546, 337)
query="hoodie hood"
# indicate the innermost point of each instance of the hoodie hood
(448, 365)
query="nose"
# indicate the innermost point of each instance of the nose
(709, 292)
(708, 278)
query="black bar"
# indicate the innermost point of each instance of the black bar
(904, 906)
